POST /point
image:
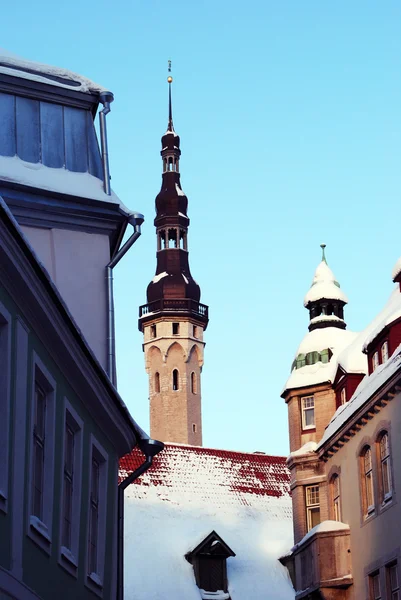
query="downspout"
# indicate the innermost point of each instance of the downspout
(136, 221)
(150, 448)
(105, 98)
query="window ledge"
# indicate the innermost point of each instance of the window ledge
(68, 561)
(94, 577)
(39, 533)
(3, 502)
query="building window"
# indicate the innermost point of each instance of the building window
(393, 581)
(312, 506)
(193, 428)
(175, 380)
(385, 468)
(42, 456)
(195, 331)
(343, 395)
(157, 383)
(367, 482)
(72, 475)
(39, 425)
(308, 412)
(153, 331)
(335, 490)
(97, 514)
(375, 361)
(176, 328)
(5, 359)
(194, 383)
(384, 352)
(374, 586)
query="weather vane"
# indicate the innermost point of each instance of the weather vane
(169, 78)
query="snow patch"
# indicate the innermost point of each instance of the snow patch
(324, 526)
(179, 190)
(324, 285)
(11, 64)
(37, 175)
(308, 448)
(157, 278)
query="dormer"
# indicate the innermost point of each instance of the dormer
(345, 385)
(209, 560)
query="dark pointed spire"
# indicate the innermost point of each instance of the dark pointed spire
(323, 246)
(170, 126)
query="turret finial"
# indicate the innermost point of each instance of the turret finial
(323, 246)
(170, 126)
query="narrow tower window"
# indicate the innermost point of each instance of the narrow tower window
(308, 412)
(175, 380)
(157, 383)
(193, 428)
(194, 383)
(176, 328)
(153, 331)
(172, 238)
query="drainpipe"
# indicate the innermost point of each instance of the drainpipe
(105, 98)
(136, 221)
(150, 448)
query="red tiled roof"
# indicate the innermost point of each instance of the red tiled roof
(219, 477)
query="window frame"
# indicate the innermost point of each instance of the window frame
(175, 384)
(310, 506)
(385, 498)
(157, 382)
(375, 360)
(343, 396)
(336, 497)
(95, 579)
(194, 383)
(375, 576)
(304, 408)
(40, 529)
(68, 556)
(389, 584)
(5, 396)
(384, 354)
(175, 328)
(367, 475)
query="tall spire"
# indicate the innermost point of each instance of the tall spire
(323, 246)
(170, 126)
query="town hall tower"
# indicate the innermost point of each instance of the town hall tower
(173, 320)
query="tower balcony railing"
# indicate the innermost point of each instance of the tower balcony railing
(180, 305)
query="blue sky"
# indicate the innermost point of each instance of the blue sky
(290, 125)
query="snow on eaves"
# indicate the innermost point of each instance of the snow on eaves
(390, 312)
(368, 386)
(37, 175)
(11, 64)
(323, 527)
(396, 268)
(308, 448)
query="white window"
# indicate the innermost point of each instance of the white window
(367, 482)
(335, 487)
(343, 395)
(393, 582)
(385, 468)
(312, 506)
(97, 515)
(374, 584)
(5, 360)
(308, 412)
(375, 361)
(384, 352)
(40, 504)
(71, 498)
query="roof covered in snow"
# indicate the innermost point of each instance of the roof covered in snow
(324, 286)
(11, 64)
(366, 389)
(191, 491)
(396, 268)
(336, 340)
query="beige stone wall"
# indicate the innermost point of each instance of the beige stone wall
(175, 415)
(375, 540)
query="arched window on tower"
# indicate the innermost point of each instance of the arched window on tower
(194, 383)
(172, 238)
(175, 380)
(161, 242)
(157, 383)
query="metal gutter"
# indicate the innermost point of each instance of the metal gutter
(150, 448)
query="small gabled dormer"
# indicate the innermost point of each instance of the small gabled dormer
(209, 560)
(345, 385)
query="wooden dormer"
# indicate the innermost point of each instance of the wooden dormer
(209, 560)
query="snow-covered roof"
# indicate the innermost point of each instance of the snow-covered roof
(324, 286)
(323, 527)
(314, 341)
(396, 269)
(308, 448)
(11, 64)
(368, 386)
(37, 175)
(190, 491)
(390, 312)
